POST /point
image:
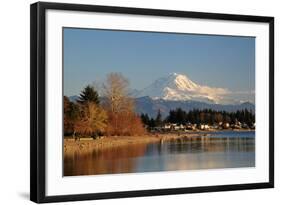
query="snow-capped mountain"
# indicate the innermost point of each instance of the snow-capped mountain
(178, 87)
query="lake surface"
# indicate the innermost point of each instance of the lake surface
(225, 149)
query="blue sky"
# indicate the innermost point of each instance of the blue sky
(142, 57)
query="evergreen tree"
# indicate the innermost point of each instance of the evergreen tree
(89, 94)
(152, 123)
(209, 116)
(158, 120)
(145, 119)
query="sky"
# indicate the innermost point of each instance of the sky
(142, 57)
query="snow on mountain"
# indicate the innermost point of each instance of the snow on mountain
(178, 87)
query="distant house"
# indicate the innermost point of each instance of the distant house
(167, 126)
(215, 126)
(245, 126)
(253, 126)
(174, 126)
(177, 127)
(204, 127)
(190, 126)
(182, 127)
(236, 125)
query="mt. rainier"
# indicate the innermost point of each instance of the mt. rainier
(179, 87)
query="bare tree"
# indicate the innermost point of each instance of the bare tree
(116, 93)
(120, 105)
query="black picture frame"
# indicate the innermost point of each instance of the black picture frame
(38, 103)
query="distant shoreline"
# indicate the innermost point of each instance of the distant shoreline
(220, 130)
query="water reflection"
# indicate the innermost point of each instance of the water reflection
(218, 152)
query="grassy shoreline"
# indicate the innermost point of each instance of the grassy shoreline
(115, 141)
(70, 145)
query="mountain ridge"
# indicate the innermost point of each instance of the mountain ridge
(151, 106)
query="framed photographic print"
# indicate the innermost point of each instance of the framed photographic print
(129, 102)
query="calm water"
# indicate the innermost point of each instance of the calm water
(224, 150)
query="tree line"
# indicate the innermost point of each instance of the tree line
(114, 115)
(197, 116)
